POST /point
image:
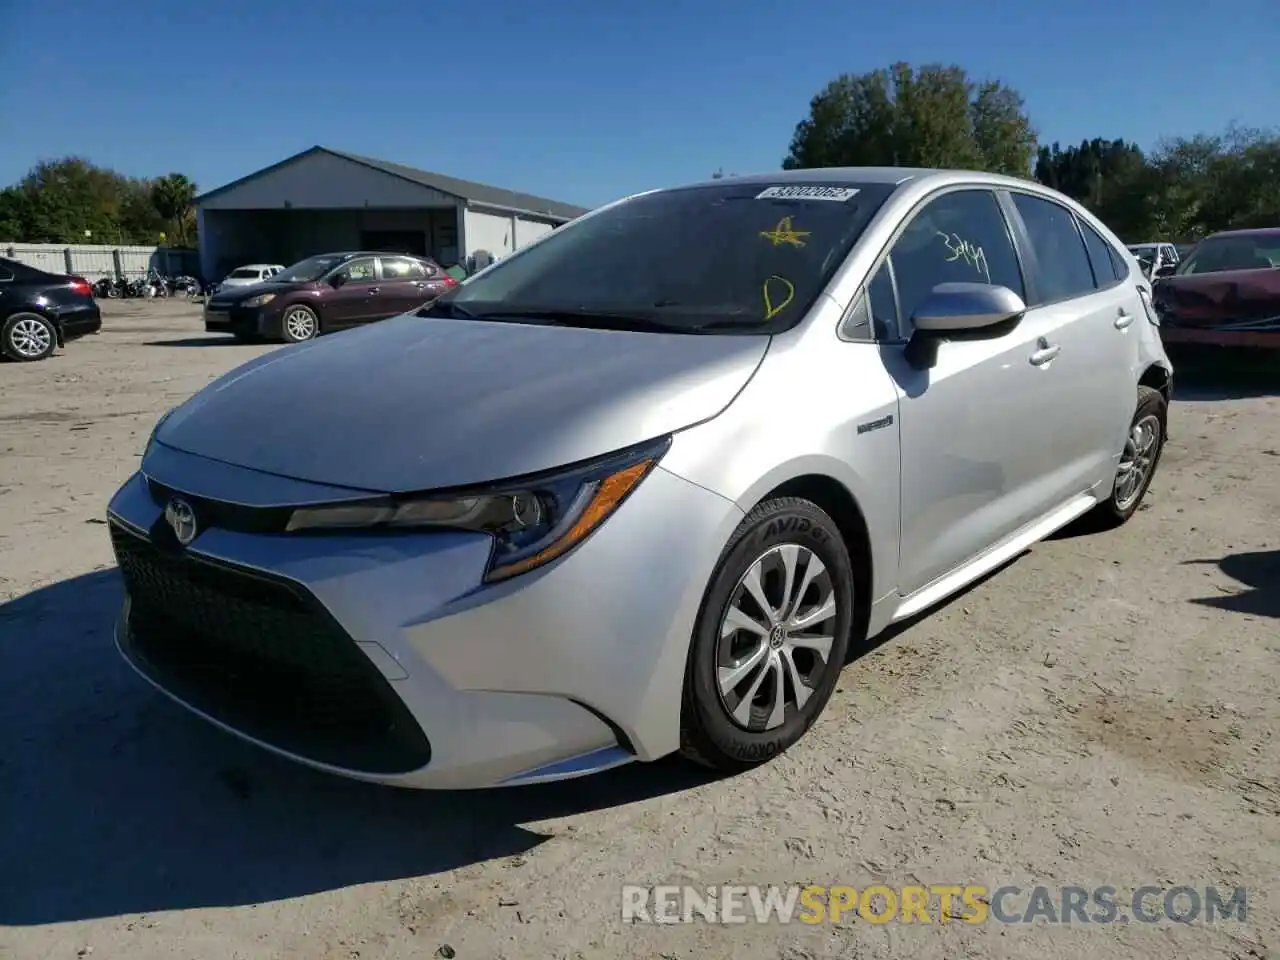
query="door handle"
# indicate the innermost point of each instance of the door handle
(1046, 353)
(1123, 320)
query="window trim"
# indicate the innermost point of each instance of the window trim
(1115, 281)
(883, 256)
(6, 275)
(1025, 237)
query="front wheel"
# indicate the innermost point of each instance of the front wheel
(771, 637)
(299, 324)
(1142, 448)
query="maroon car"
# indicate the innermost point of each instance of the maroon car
(331, 291)
(1226, 291)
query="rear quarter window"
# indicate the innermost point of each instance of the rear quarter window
(1102, 258)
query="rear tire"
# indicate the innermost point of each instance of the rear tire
(1143, 447)
(27, 337)
(759, 674)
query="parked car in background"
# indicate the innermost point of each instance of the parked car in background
(637, 487)
(1157, 259)
(1226, 292)
(40, 311)
(250, 274)
(327, 292)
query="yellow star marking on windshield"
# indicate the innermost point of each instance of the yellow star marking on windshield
(784, 233)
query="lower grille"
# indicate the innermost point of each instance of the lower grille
(264, 657)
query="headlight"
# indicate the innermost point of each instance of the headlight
(260, 300)
(532, 521)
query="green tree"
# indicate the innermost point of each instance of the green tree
(173, 197)
(933, 116)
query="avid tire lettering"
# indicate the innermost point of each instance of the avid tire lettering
(780, 526)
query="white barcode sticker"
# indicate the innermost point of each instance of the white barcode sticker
(808, 191)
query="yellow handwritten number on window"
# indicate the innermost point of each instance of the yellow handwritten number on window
(779, 285)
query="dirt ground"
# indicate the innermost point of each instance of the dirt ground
(1103, 711)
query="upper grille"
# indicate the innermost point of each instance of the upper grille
(263, 656)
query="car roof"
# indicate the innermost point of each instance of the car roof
(885, 175)
(256, 266)
(1271, 232)
(347, 254)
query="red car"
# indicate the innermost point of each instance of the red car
(1226, 292)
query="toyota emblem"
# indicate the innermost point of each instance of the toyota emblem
(182, 519)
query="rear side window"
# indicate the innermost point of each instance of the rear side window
(1059, 248)
(5, 273)
(1100, 257)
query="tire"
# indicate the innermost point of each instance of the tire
(710, 733)
(1143, 446)
(27, 337)
(299, 324)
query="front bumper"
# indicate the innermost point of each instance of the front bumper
(413, 673)
(235, 320)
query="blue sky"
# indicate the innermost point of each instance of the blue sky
(584, 101)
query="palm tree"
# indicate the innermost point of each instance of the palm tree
(172, 196)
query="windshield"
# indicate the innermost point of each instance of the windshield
(1218, 254)
(312, 268)
(745, 256)
(243, 273)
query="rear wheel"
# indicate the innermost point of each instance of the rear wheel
(299, 323)
(1142, 448)
(771, 637)
(27, 336)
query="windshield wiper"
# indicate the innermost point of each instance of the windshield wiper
(592, 319)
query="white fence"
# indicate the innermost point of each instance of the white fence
(92, 261)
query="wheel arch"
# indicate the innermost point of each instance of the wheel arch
(838, 502)
(1158, 377)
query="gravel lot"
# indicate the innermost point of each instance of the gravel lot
(1102, 711)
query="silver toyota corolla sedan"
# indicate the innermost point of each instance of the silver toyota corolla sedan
(634, 489)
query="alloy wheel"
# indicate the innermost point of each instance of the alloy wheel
(300, 325)
(30, 337)
(1135, 463)
(776, 637)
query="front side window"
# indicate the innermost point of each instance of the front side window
(358, 271)
(746, 257)
(1059, 248)
(959, 237)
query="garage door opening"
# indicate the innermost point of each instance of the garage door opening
(395, 241)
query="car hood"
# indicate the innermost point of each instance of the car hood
(1232, 298)
(228, 296)
(414, 403)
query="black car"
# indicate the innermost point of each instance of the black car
(40, 311)
(330, 291)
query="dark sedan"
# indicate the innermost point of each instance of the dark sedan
(327, 292)
(1226, 292)
(41, 310)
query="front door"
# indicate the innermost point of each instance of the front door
(355, 299)
(977, 429)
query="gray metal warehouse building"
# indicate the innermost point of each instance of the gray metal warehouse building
(325, 200)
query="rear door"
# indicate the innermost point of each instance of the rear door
(404, 285)
(1090, 314)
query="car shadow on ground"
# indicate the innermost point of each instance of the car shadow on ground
(1259, 571)
(117, 801)
(1210, 377)
(195, 342)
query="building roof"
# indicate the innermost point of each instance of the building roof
(477, 193)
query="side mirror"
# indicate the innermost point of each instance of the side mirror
(958, 308)
(337, 280)
(1166, 270)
